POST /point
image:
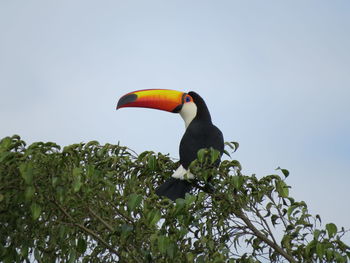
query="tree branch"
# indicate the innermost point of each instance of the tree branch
(85, 229)
(96, 236)
(262, 237)
(267, 226)
(279, 211)
(108, 226)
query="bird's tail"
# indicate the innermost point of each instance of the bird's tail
(174, 188)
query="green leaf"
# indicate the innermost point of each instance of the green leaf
(284, 171)
(268, 209)
(126, 230)
(142, 155)
(200, 259)
(215, 155)
(189, 199)
(90, 171)
(55, 181)
(236, 144)
(60, 192)
(317, 233)
(24, 251)
(237, 181)
(201, 154)
(81, 245)
(26, 170)
(329, 254)
(134, 200)
(77, 171)
(72, 256)
(233, 145)
(282, 189)
(227, 153)
(190, 257)
(37, 255)
(36, 210)
(162, 244)
(29, 192)
(153, 216)
(339, 258)
(331, 229)
(4, 155)
(274, 219)
(320, 250)
(152, 162)
(180, 204)
(5, 144)
(171, 248)
(309, 248)
(62, 231)
(318, 218)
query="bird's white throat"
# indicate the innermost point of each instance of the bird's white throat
(188, 112)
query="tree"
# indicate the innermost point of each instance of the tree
(96, 203)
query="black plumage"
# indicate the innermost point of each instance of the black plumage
(200, 133)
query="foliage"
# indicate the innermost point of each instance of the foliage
(96, 203)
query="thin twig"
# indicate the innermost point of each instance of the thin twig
(110, 228)
(120, 213)
(279, 211)
(86, 230)
(266, 224)
(63, 211)
(96, 236)
(262, 237)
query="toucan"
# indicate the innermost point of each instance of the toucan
(200, 131)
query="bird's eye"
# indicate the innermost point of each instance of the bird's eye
(188, 99)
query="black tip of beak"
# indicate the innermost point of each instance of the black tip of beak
(178, 108)
(126, 99)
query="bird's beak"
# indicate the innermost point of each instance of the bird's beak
(161, 99)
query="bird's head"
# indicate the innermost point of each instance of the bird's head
(163, 99)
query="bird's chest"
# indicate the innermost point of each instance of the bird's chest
(194, 139)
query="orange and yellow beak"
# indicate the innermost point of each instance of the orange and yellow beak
(161, 99)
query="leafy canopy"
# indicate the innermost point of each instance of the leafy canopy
(96, 203)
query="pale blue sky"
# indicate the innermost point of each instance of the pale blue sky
(275, 75)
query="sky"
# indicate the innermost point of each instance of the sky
(274, 74)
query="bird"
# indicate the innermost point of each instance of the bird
(200, 132)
